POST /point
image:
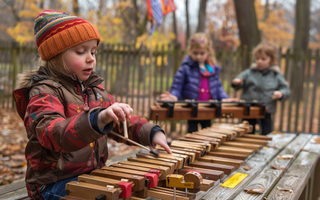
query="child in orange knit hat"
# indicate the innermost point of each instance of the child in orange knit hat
(66, 112)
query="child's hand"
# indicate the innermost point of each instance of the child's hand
(160, 139)
(168, 97)
(115, 112)
(277, 95)
(237, 81)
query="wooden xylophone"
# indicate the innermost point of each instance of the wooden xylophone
(200, 110)
(214, 153)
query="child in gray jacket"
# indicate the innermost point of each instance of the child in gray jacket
(264, 82)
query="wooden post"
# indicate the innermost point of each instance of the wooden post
(14, 49)
(151, 71)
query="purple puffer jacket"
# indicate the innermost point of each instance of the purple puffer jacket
(187, 80)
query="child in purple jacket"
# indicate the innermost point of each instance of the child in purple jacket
(197, 78)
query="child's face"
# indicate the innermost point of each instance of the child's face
(263, 61)
(81, 59)
(198, 54)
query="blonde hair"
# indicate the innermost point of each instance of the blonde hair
(55, 66)
(202, 40)
(267, 48)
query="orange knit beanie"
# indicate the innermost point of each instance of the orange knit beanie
(58, 31)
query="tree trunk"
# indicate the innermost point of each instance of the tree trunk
(248, 27)
(142, 26)
(188, 23)
(302, 26)
(41, 4)
(175, 30)
(135, 16)
(100, 9)
(266, 11)
(202, 16)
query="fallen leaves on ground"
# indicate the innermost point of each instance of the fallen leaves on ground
(13, 140)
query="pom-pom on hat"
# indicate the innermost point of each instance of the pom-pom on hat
(58, 31)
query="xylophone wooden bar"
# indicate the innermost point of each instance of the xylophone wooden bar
(206, 174)
(139, 181)
(236, 156)
(86, 190)
(184, 110)
(131, 165)
(227, 169)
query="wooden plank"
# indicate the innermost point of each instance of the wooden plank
(224, 161)
(90, 191)
(207, 184)
(195, 136)
(184, 159)
(225, 168)
(139, 181)
(178, 163)
(192, 156)
(292, 149)
(164, 170)
(197, 152)
(252, 141)
(228, 155)
(201, 144)
(238, 131)
(172, 166)
(222, 137)
(238, 150)
(230, 133)
(98, 180)
(205, 173)
(299, 172)
(211, 133)
(257, 162)
(12, 187)
(254, 147)
(214, 145)
(269, 176)
(162, 175)
(295, 178)
(260, 137)
(21, 194)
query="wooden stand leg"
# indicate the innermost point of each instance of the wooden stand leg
(316, 182)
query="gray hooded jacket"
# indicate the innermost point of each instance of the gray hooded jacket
(260, 85)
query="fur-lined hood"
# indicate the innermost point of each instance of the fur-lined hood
(25, 79)
(275, 68)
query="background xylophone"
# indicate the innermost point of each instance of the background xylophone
(200, 110)
(214, 152)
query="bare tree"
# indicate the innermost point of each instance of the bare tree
(188, 21)
(14, 9)
(266, 11)
(247, 23)
(175, 30)
(302, 25)
(202, 16)
(249, 33)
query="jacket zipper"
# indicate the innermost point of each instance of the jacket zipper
(86, 108)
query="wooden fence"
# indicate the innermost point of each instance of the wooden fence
(131, 78)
